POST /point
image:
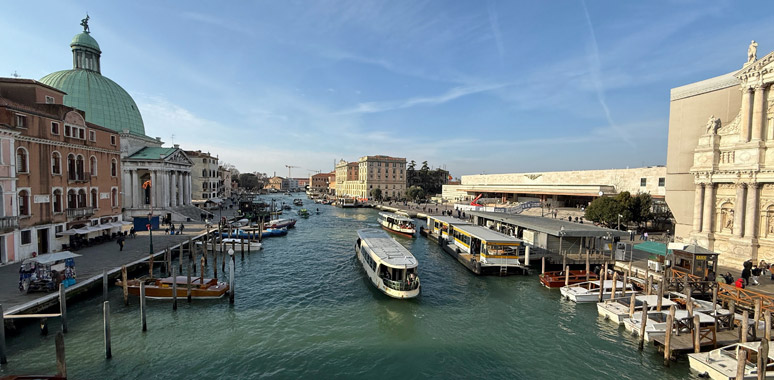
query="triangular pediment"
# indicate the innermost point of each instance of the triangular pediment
(760, 67)
(178, 157)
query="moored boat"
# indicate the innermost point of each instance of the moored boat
(298, 202)
(397, 223)
(617, 310)
(280, 223)
(556, 279)
(304, 213)
(722, 363)
(589, 291)
(390, 267)
(161, 288)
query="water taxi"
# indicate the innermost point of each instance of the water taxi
(617, 310)
(485, 251)
(556, 279)
(589, 291)
(390, 267)
(161, 288)
(656, 323)
(280, 223)
(298, 202)
(439, 226)
(397, 223)
(722, 363)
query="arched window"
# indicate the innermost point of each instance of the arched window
(93, 166)
(72, 199)
(94, 198)
(81, 198)
(204, 173)
(71, 167)
(21, 160)
(57, 201)
(114, 197)
(113, 167)
(56, 163)
(79, 165)
(2, 202)
(24, 202)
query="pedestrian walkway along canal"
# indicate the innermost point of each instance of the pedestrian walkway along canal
(304, 309)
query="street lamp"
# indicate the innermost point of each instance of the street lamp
(619, 221)
(145, 186)
(564, 257)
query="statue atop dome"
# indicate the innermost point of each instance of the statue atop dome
(85, 24)
(752, 52)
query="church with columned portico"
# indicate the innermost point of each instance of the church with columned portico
(720, 162)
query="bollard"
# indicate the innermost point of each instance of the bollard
(106, 325)
(63, 307)
(643, 322)
(696, 335)
(104, 285)
(174, 289)
(142, 306)
(632, 303)
(188, 282)
(668, 336)
(567, 276)
(743, 326)
(124, 285)
(3, 358)
(741, 360)
(231, 265)
(61, 364)
(660, 294)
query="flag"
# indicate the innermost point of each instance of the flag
(146, 184)
(450, 178)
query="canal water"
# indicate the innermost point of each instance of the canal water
(304, 309)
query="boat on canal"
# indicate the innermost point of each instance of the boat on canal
(280, 223)
(390, 267)
(485, 251)
(589, 291)
(236, 243)
(439, 227)
(617, 310)
(304, 213)
(397, 223)
(298, 202)
(161, 288)
(556, 279)
(656, 323)
(722, 363)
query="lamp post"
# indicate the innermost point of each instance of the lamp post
(145, 186)
(619, 222)
(564, 257)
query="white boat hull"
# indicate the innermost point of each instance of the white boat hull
(379, 284)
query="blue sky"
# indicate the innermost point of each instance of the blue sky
(472, 86)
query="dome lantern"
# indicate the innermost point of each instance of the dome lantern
(86, 50)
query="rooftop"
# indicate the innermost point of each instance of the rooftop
(549, 225)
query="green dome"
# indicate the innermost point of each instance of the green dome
(105, 102)
(86, 40)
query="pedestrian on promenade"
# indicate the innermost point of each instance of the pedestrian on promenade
(172, 228)
(132, 232)
(166, 230)
(121, 243)
(646, 236)
(631, 235)
(746, 274)
(182, 227)
(755, 273)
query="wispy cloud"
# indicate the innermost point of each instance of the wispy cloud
(217, 22)
(494, 24)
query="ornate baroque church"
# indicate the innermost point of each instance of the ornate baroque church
(720, 162)
(142, 157)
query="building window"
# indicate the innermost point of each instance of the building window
(56, 163)
(93, 166)
(57, 200)
(54, 128)
(113, 167)
(26, 237)
(72, 199)
(79, 165)
(21, 121)
(94, 198)
(643, 181)
(59, 229)
(21, 160)
(112, 140)
(661, 181)
(67, 130)
(24, 202)
(92, 136)
(49, 99)
(81, 198)
(114, 197)
(81, 134)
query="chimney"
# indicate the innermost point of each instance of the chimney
(177, 146)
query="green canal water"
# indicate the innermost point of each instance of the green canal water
(304, 309)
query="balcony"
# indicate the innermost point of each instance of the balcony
(79, 213)
(79, 177)
(8, 223)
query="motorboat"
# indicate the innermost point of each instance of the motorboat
(588, 291)
(298, 202)
(722, 363)
(280, 223)
(390, 267)
(397, 223)
(616, 310)
(656, 325)
(161, 288)
(556, 279)
(304, 213)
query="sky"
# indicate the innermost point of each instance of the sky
(470, 86)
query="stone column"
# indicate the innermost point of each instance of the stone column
(165, 188)
(175, 188)
(154, 197)
(758, 113)
(739, 210)
(751, 215)
(745, 137)
(698, 198)
(134, 192)
(709, 206)
(180, 189)
(126, 184)
(190, 189)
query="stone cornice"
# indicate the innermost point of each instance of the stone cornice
(705, 86)
(66, 145)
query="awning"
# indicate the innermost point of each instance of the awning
(50, 258)
(215, 200)
(652, 247)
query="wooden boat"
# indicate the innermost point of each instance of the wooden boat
(298, 202)
(617, 310)
(656, 325)
(589, 291)
(390, 267)
(161, 288)
(556, 279)
(397, 223)
(280, 223)
(721, 363)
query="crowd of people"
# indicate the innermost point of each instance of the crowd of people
(751, 274)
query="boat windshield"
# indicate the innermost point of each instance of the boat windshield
(399, 278)
(500, 250)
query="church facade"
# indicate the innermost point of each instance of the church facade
(720, 162)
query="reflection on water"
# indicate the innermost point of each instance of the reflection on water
(304, 309)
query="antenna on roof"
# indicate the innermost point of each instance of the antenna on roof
(172, 138)
(15, 74)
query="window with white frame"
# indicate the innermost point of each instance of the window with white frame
(24, 203)
(54, 128)
(49, 99)
(93, 166)
(21, 160)
(56, 163)
(92, 136)
(21, 121)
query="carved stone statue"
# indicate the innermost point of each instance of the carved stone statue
(85, 24)
(729, 222)
(771, 223)
(752, 52)
(713, 124)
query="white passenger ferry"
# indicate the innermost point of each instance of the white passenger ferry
(389, 266)
(397, 223)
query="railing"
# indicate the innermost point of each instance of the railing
(9, 223)
(79, 176)
(745, 298)
(401, 285)
(80, 212)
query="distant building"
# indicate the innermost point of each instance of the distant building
(301, 183)
(358, 179)
(205, 178)
(321, 182)
(224, 182)
(276, 183)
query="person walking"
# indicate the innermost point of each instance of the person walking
(132, 232)
(746, 274)
(755, 273)
(172, 228)
(120, 243)
(182, 227)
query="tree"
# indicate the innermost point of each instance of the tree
(232, 169)
(412, 165)
(248, 181)
(604, 210)
(415, 193)
(376, 194)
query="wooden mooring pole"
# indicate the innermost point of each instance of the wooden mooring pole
(215, 265)
(741, 360)
(602, 280)
(174, 289)
(201, 273)
(643, 323)
(106, 325)
(649, 289)
(767, 319)
(567, 276)
(124, 285)
(660, 294)
(543, 265)
(150, 265)
(696, 334)
(63, 307)
(668, 336)
(61, 364)
(180, 258)
(169, 261)
(632, 302)
(104, 285)
(188, 282)
(743, 326)
(231, 265)
(763, 354)
(142, 306)
(242, 247)
(3, 357)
